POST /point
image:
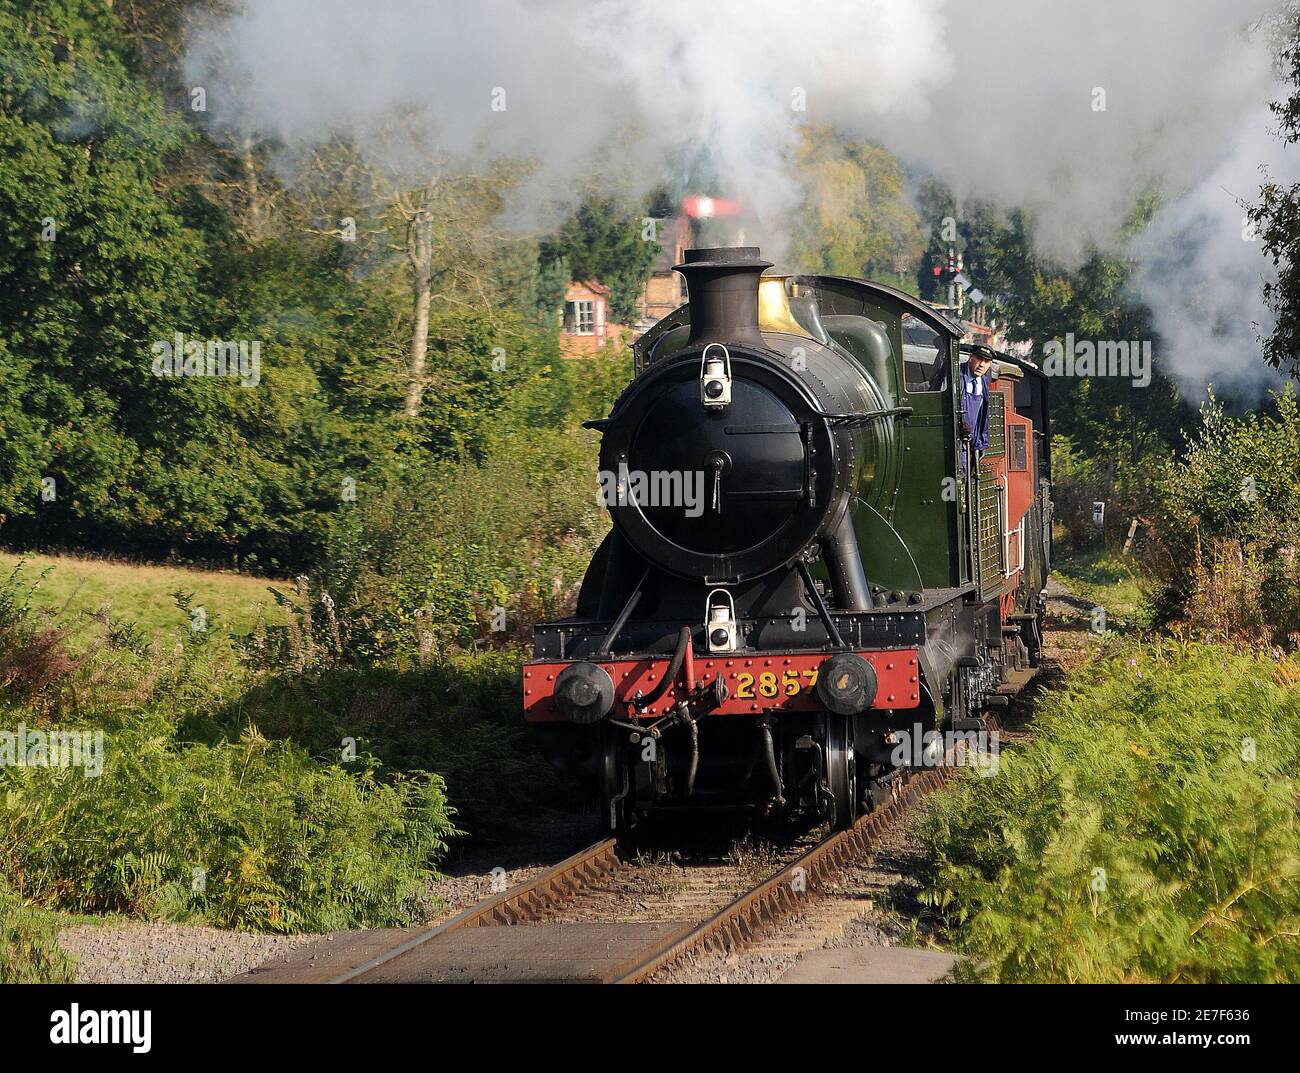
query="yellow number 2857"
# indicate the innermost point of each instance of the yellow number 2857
(770, 686)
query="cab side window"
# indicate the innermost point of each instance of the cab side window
(925, 357)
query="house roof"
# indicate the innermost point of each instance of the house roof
(594, 286)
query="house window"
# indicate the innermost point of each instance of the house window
(580, 318)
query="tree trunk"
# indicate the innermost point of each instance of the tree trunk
(256, 223)
(419, 239)
(419, 348)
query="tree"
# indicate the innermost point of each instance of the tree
(93, 263)
(103, 255)
(1110, 428)
(437, 220)
(605, 241)
(856, 219)
(228, 164)
(1277, 218)
(532, 287)
(938, 207)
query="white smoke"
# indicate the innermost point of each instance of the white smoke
(1201, 269)
(1001, 99)
(612, 89)
(1073, 110)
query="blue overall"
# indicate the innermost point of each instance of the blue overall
(974, 412)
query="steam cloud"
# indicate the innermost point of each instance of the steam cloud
(1200, 270)
(995, 98)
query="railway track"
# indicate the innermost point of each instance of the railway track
(759, 909)
(523, 934)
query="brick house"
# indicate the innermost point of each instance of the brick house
(665, 290)
(586, 326)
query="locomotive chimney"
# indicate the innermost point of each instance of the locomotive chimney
(722, 285)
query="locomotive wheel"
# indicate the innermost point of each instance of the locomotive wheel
(1035, 645)
(841, 770)
(615, 783)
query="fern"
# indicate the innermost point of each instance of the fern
(1148, 832)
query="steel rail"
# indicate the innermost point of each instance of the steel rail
(523, 902)
(761, 908)
(746, 918)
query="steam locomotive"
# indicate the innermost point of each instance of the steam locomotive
(811, 582)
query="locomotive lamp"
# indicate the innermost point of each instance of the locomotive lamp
(720, 622)
(715, 378)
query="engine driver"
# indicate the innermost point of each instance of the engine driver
(975, 403)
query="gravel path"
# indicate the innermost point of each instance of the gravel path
(139, 952)
(143, 953)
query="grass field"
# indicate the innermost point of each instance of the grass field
(143, 593)
(1109, 580)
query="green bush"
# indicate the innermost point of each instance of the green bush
(419, 567)
(249, 834)
(1224, 556)
(281, 840)
(1148, 832)
(29, 944)
(458, 715)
